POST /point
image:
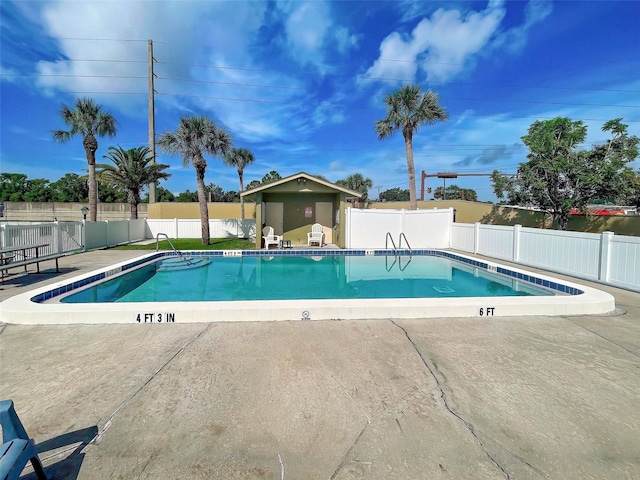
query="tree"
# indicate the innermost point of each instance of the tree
(631, 191)
(162, 195)
(187, 196)
(38, 190)
(358, 183)
(395, 195)
(272, 176)
(87, 120)
(132, 169)
(558, 177)
(13, 186)
(407, 109)
(454, 192)
(195, 137)
(240, 158)
(70, 188)
(253, 184)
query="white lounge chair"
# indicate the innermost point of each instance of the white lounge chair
(316, 236)
(271, 239)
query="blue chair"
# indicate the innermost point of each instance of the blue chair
(17, 448)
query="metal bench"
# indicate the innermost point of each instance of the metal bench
(17, 448)
(4, 266)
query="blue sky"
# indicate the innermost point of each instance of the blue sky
(301, 83)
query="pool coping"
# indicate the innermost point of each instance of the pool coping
(578, 299)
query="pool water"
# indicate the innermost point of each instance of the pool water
(300, 277)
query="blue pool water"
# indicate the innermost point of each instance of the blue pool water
(302, 277)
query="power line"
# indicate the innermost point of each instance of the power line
(66, 75)
(231, 83)
(110, 40)
(263, 70)
(103, 60)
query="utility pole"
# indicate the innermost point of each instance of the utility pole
(152, 119)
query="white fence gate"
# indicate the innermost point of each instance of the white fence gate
(59, 237)
(422, 228)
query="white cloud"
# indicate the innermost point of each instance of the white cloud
(440, 45)
(449, 41)
(311, 31)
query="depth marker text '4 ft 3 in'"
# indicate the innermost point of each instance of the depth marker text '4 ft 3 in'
(156, 318)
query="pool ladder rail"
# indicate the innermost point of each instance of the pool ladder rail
(397, 255)
(187, 259)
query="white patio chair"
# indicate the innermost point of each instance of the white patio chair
(316, 235)
(271, 239)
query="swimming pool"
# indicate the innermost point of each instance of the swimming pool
(289, 277)
(47, 305)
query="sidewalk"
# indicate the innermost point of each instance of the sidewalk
(481, 398)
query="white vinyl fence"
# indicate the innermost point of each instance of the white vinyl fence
(604, 257)
(59, 237)
(422, 228)
(109, 234)
(191, 228)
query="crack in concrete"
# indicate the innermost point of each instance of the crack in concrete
(443, 396)
(128, 400)
(344, 458)
(603, 337)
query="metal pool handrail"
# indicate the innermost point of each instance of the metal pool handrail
(402, 235)
(386, 242)
(176, 251)
(397, 257)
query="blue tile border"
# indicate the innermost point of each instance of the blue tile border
(524, 277)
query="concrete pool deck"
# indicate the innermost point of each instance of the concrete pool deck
(476, 398)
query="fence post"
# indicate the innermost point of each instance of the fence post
(517, 229)
(476, 237)
(58, 237)
(176, 228)
(83, 235)
(346, 228)
(605, 249)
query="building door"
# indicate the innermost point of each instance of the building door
(324, 216)
(274, 216)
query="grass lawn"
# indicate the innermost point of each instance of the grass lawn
(196, 244)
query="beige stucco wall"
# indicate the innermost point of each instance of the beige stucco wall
(192, 210)
(66, 211)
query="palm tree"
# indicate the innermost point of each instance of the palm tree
(358, 183)
(88, 120)
(131, 170)
(407, 109)
(240, 158)
(194, 137)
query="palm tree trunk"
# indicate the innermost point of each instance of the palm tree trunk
(241, 197)
(200, 166)
(411, 170)
(90, 145)
(133, 211)
(93, 192)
